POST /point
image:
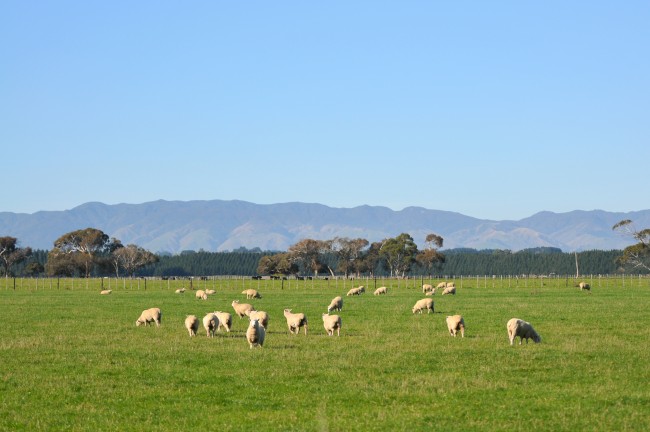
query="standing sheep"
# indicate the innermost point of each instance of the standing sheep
(454, 324)
(381, 290)
(255, 334)
(335, 304)
(225, 320)
(210, 291)
(105, 292)
(242, 309)
(449, 290)
(425, 303)
(200, 294)
(149, 315)
(584, 286)
(427, 288)
(180, 291)
(251, 293)
(295, 321)
(441, 285)
(210, 324)
(261, 316)
(331, 323)
(523, 329)
(192, 324)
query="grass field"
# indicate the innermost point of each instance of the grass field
(71, 359)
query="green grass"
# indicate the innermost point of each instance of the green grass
(71, 359)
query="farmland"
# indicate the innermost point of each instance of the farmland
(71, 359)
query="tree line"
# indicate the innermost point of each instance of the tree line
(90, 252)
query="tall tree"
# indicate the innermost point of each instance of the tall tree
(431, 257)
(132, 258)
(79, 250)
(11, 254)
(277, 264)
(348, 252)
(399, 253)
(309, 252)
(637, 255)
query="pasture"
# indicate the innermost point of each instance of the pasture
(71, 359)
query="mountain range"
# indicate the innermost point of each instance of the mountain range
(217, 225)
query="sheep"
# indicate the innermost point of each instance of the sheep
(105, 292)
(425, 303)
(200, 294)
(180, 291)
(449, 290)
(255, 334)
(454, 324)
(450, 284)
(225, 320)
(426, 288)
(331, 323)
(192, 324)
(584, 286)
(356, 291)
(260, 316)
(242, 309)
(149, 315)
(210, 291)
(381, 290)
(295, 321)
(441, 285)
(523, 329)
(335, 304)
(210, 324)
(251, 293)
(432, 292)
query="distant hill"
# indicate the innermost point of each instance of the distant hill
(216, 225)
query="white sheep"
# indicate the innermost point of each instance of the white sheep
(450, 284)
(180, 291)
(523, 329)
(192, 324)
(261, 316)
(210, 324)
(381, 290)
(200, 294)
(454, 324)
(426, 288)
(441, 285)
(242, 309)
(255, 334)
(331, 323)
(584, 286)
(210, 291)
(105, 292)
(295, 321)
(149, 315)
(356, 291)
(335, 304)
(251, 293)
(225, 320)
(425, 303)
(449, 290)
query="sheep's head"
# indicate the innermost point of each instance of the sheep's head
(138, 323)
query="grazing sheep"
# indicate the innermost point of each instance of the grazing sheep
(454, 324)
(192, 324)
(251, 293)
(295, 321)
(255, 334)
(449, 290)
(180, 291)
(335, 304)
(432, 292)
(105, 292)
(331, 323)
(225, 320)
(450, 284)
(149, 315)
(381, 290)
(242, 309)
(523, 329)
(584, 286)
(441, 285)
(426, 288)
(356, 291)
(425, 303)
(210, 324)
(261, 316)
(200, 294)
(210, 291)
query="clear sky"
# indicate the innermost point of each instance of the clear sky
(494, 109)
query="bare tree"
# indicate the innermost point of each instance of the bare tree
(637, 255)
(431, 256)
(132, 258)
(11, 254)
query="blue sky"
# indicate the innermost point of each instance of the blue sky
(496, 110)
